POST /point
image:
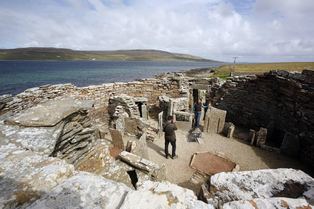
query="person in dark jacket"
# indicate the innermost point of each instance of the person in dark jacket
(170, 137)
(198, 111)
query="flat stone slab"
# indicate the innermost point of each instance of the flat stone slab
(37, 139)
(49, 113)
(211, 164)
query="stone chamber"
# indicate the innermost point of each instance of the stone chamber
(54, 152)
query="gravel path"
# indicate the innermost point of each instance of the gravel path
(238, 151)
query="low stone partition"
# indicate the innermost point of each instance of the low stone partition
(280, 101)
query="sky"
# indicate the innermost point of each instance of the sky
(251, 30)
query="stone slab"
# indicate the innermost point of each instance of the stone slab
(214, 120)
(211, 164)
(49, 113)
(37, 139)
(290, 145)
(117, 138)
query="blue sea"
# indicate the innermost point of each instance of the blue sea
(17, 76)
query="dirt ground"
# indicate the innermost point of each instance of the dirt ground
(239, 151)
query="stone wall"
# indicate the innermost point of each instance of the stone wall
(280, 101)
(169, 85)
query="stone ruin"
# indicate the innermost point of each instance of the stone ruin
(53, 150)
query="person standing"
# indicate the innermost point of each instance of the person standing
(170, 137)
(198, 111)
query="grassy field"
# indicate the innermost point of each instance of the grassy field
(43, 54)
(225, 70)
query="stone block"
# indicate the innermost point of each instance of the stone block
(117, 138)
(290, 145)
(118, 172)
(214, 120)
(155, 171)
(261, 137)
(228, 130)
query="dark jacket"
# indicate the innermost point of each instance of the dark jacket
(169, 129)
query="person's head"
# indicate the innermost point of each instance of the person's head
(199, 100)
(170, 118)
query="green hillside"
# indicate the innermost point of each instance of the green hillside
(35, 53)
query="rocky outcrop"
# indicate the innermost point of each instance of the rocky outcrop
(162, 195)
(84, 190)
(25, 176)
(259, 187)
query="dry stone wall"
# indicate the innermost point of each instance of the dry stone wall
(278, 100)
(170, 85)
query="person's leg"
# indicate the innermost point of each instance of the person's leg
(197, 119)
(166, 148)
(173, 144)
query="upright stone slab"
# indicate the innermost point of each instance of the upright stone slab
(120, 122)
(214, 120)
(170, 107)
(160, 122)
(290, 145)
(117, 138)
(228, 129)
(144, 111)
(252, 136)
(261, 137)
(142, 146)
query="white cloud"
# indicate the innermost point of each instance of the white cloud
(264, 30)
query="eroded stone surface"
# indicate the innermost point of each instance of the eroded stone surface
(49, 113)
(84, 190)
(25, 176)
(37, 139)
(260, 203)
(162, 195)
(262, 184)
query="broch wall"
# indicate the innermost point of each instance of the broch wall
(281, 101)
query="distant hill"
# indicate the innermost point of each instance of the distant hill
(35, 53)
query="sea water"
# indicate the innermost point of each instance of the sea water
(17, 76)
